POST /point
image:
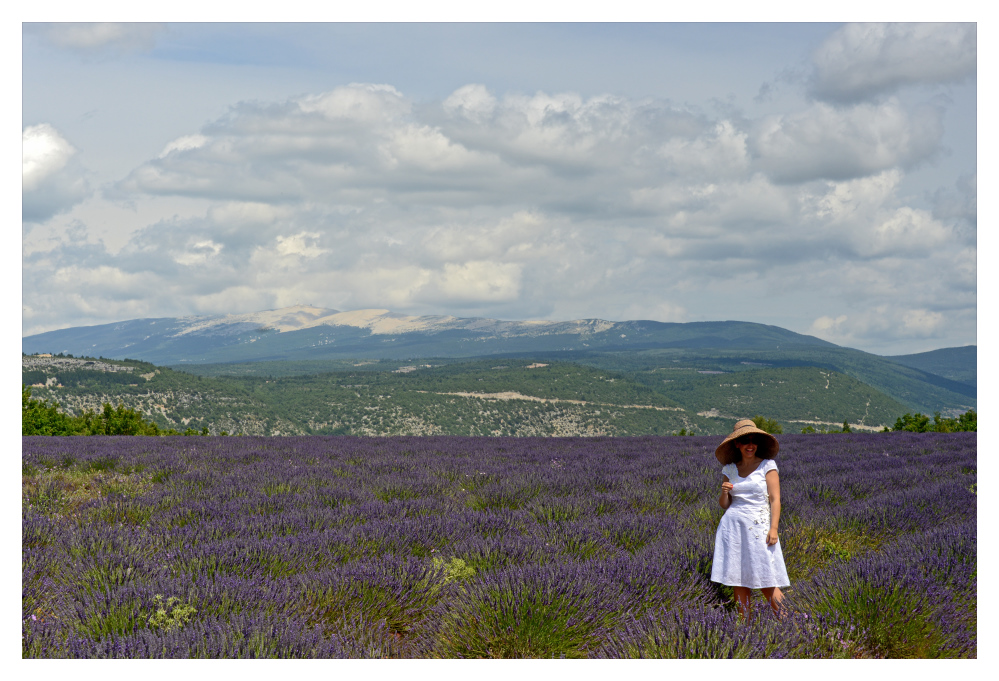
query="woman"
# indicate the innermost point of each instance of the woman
(747, 550)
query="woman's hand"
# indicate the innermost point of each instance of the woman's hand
(773, 492)
(725, 500)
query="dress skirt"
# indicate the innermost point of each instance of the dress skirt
(742, 557)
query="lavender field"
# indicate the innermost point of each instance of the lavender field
(486, 547)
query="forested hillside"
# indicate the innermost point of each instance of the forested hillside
(915, 388)
(303, 340)
(482, 397)
(957, 364)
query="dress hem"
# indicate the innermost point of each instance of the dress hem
(747, 586)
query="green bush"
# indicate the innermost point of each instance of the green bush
(41, 417)
(170, 615)
(768, 425)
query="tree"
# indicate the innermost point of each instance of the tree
(846, 427)
(768, 425)
(913, 423)
(919, 423)
(41, 417)
(968, 422)
(117, 421)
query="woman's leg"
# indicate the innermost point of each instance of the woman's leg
(774, 597)
(742, 594)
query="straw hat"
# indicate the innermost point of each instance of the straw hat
(767, 449)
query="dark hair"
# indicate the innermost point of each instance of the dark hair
(764, 447)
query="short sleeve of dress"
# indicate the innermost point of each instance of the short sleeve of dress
(769, 465)
(729, 470)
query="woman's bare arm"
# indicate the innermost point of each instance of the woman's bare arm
(725, 500)
(773, 489)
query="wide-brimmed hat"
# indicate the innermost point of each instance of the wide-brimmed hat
(767, 449)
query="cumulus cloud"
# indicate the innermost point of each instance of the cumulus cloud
(718, 154)
(198, 253)
(538, 206)
(906, 231)
(353, 144)
(565, 134)
(94, 38)
(864, 217)
(472, 102)
(861, 61)
(303, 245)
(43, 152)
(51, 179)
(475, 281)
(823, 142)
(880, 322)
(362, 144)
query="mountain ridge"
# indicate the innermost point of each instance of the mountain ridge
(957, 364)
(288, 333)
(305, 335)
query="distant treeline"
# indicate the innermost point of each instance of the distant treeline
(42, 417)
(918, 423)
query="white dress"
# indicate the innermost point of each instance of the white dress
(742, 557)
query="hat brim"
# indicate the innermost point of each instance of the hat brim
(725, 452)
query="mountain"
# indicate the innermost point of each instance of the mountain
(304, 332)
(305, 340)
(957, 364)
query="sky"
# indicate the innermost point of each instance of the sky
(819, 177)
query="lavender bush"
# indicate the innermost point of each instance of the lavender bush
(485, 547)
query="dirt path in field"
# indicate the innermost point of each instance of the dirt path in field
(853, 426)
(531, 398)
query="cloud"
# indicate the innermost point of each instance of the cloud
(883, 322)
(720, 153)
(198, 253)
(824, 142)
(94, 38)
(568, 135)
(183, 143)
(51, 180)
(362, 144)
(959, 203)
(471, 102)
(242, 213)
(353, 144)
(863, 61)
(474, 281)
(43, 152)
(864, 216)
(537, 206)
(302, 245)
(906, 230)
